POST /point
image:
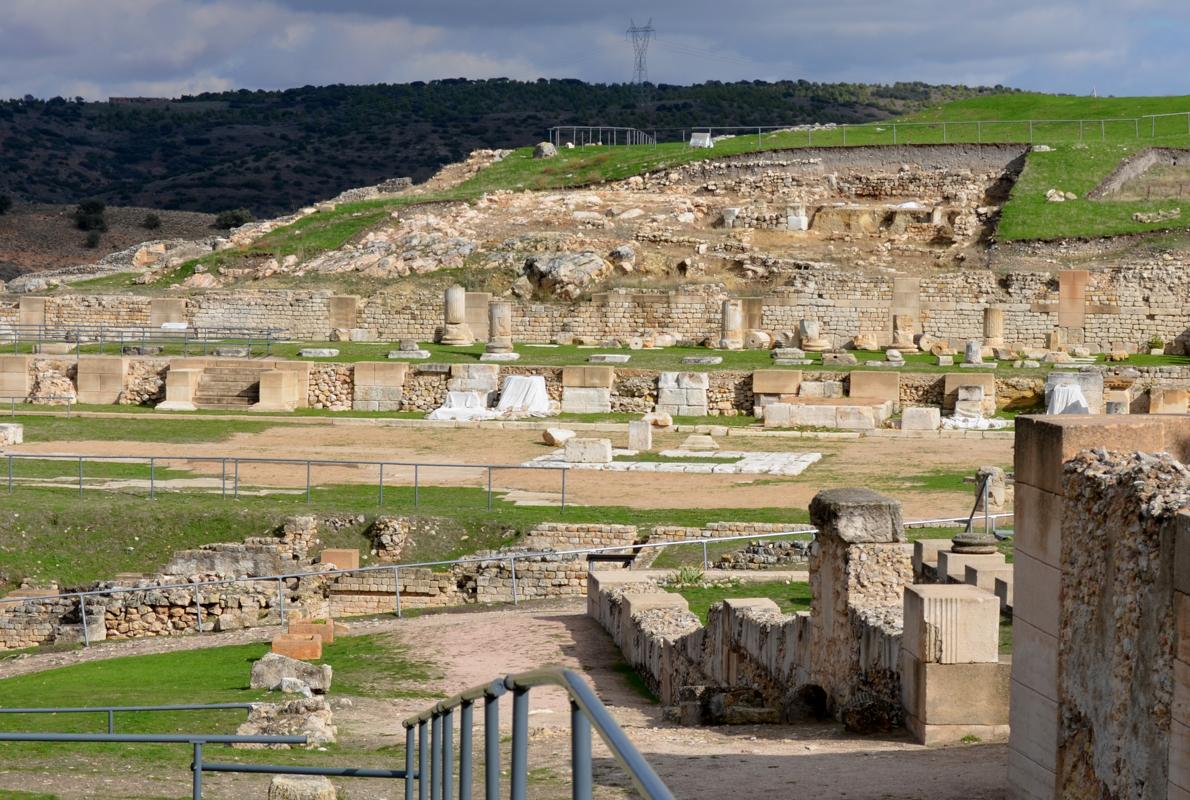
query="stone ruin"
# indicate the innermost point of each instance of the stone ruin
(875, 651)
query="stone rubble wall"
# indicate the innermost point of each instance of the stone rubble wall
(1118, 637)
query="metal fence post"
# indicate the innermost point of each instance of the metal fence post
(111, 721)
(447, 754)
(416, 487)
(397, 589)
(237, 479)
(491, 747)
(409, 747)
(520, 743)
(223, 479)
(83, 616)
(436, 757)
(705, 562)
(423, 762)
(10, 474)
(580, 754)
(512, 565)
(564, 471)
(198, 608)
(80, 476)
(380, 500)
(465, 750)
(152, 477)
(489, 488)
(307, 481)
(281, 599)
(196, 791)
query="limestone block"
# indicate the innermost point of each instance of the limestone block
(951, 624)
(813, 416)
(269, 671)
(588, 451)
(855, 418)
(340, 558)
(700, 441)
(984, 577)
(588, 377)
(1033, 718)
(856, 516)
(1003, 592)
(15, 380)
(876, 385)
(813, 389)
(925, 553)
(298, 646)
(31, 311)
(951, 382)
(323, 630)
(960, 695)
(776, 381)
(180, 387)
(778, 415)
(953, 566)
(640, 436)
(301, 787)
(478, 315)
(11, 433)
(278, 391)
(557, 436)
(921, 419)
(576, 400)
(647, 601)
(101, 379)
(342, 311)
(1167, 401)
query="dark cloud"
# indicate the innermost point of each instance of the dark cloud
(78, 47)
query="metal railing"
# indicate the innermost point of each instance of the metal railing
(395, 570)
(230, 483)
(611, 135)
(895, 132)
(70, 401)
(111, 711)
(429, 771)
(98, 337)
(435, 751)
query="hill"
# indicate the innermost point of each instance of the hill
(273, 152)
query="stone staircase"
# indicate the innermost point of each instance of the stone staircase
(229, 387)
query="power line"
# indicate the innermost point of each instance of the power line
(640, 35)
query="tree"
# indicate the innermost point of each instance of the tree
(233, 218)
(89, 216)
(5, 204)
(151, 222)
(92, 240)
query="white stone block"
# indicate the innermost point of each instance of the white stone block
(921, 419)
(640, 436)
(589, 451)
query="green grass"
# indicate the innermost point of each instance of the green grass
(198, 429)
(789, 597)
(364, 666)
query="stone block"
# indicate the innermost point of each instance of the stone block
(925, 553)
(180, 387)
(1028, 780)
(855, 418)
(951, 624)
(15, 380)
(984, 577)
(580, 400)
(1038, 523)
(340, 558)
(951, 382)
(278, 391)
(323, 630)
(166, 311)
(647, 601)
(921, 418)
(1181, 571)
(100, 379)
(814, 416)
(1003, 592)
(778, 415)
(1179, 755)
(608, 358)
(814, 389)
(876, 385)
(954, 694)
(342, 311)
(1040, 583)
(301, 787)
(1034, 658)
(557, 436)
(856, 516)
(31, 311)
(588, 377)
(298, 646)
(588, 451)
(1033, 719)
(269, 671)
(1168, 401)
(953, 566)
(640, 436)
(776, 381)
(11, 433)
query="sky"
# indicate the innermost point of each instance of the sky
(100, 48)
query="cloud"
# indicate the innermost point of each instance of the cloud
(155, 47)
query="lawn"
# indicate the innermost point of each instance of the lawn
(789, 597)
(375, 666)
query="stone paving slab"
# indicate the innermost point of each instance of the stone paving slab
(747, 463)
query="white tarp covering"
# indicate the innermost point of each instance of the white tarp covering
(1068, 398)
(520, 396)
(523, 395)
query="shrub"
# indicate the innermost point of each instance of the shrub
(233, 218)
(1156, 343)
(5, 204)
(92, 240)
(89, 216)
(151, 222)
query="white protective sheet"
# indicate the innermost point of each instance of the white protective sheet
(523, 395)
(520, 396)
(1068, 398)
(463, 406)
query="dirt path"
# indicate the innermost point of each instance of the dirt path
(878, 462)
(818, 760)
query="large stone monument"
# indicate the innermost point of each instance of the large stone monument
(993, 327)
(732, 335)
(455, 330)
(904, 329)
(811, 336)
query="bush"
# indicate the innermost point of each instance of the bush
(5, 204)
(233, 218)
(92, 240)
(89, 216)
(151, 222)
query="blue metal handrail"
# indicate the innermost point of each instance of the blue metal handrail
(111, 711)
(435, 751)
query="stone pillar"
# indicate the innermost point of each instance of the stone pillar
(973, 353)
(499, 346)
(993, 327)
(859, 565)
(455, 331)
(732, 337)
